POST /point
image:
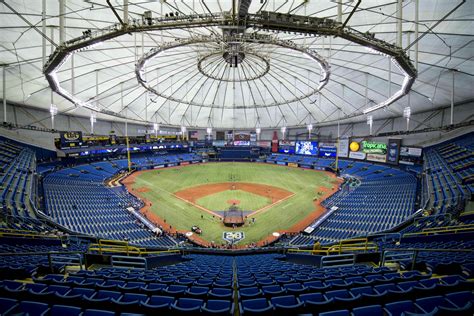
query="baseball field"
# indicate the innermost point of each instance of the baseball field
(278, 199)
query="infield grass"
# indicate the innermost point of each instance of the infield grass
(162, 183)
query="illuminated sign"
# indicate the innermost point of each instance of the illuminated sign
(327, 151)
(354, 146)
(70, 139)
(306, 148)
(374, 148)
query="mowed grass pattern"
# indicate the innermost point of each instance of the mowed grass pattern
(181, 215)
(219, 201)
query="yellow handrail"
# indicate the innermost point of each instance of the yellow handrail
(355, 244)
(448, 227)
(24, 233)
(118, 246)
(440, 231)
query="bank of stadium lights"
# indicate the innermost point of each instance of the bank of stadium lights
(209, 131)
(370, 121)
(283, 131)
(406, 115)
(258, 130)
(156, 128)
(53, 109)
(183, 131)
(93, 119)
(309, 127)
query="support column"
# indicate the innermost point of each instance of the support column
(4, 83)
(399, 22)
(62, 19)
(452, 99)
(389, 77)
(339, 11)
(366, 88)
(408, 43)
(417, 17)
(43, 30)
(125, 11)
(73, 77)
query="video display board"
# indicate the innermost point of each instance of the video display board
(393, 151)
(286, 147)
(308, 148)
(70, 139)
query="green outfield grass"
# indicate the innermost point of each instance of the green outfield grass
(220, 201)
(181, 215)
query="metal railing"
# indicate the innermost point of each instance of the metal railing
(54, 257)
(343, 246)
(443, 230)
(104, 246)
(414, 253)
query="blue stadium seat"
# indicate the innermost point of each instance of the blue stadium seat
(256, 306)
(7, 304)
(97, 312)
(187, 305)
(61, 310)
(157, 303)
(218, 307)
(286, 304)
(372, 310)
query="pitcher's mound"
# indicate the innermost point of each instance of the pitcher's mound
(233, 202)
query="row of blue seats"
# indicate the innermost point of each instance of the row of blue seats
(457, 303)
(109, 304)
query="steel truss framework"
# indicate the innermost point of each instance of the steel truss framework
(309, 26)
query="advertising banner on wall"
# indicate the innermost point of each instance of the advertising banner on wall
(370, 147)
(241, 143)
(253, 136)
(343, 147)
(357, 155)
(70, 139)
(411, 151)
(192, 135)
(393, 151)
(242, 136)
(219, 143)
(264, 143)
(376, 157)
(327, 151)
(286, 147)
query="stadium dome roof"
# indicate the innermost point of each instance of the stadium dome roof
(197, 76)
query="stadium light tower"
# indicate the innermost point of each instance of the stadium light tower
(407, 114)
(93, 119)
(283, 131)
(370, 121)
(156, 128)
(310, 128)
(53, 109)
(183, 131)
